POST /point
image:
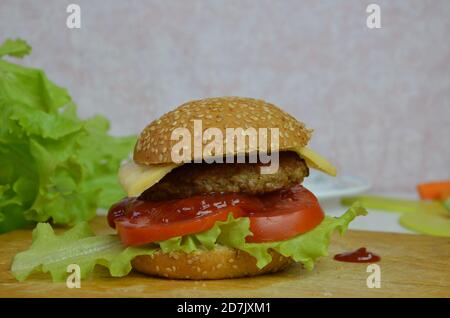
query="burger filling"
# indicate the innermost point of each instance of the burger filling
(195, 199)
(200, 178)
(195, 208)
(273, 216)
(202, 205)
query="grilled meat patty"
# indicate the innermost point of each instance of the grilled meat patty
(197, 178)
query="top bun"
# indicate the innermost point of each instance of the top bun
(154, 145)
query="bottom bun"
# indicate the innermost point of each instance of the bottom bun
(222, 262)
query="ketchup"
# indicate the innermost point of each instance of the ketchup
(168, 211)
(361, 255)
(274, 216)
(175, 210)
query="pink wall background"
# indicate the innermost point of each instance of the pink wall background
(379, 100)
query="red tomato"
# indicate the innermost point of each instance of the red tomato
(273, 217)
(286, 214)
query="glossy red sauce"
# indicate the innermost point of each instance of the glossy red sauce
(273, 216)
(361, 255)
(278, 202)
(173, 210)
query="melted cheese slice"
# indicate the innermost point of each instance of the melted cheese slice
(316, 161)
(135, 178)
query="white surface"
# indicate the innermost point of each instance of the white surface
(326, 187)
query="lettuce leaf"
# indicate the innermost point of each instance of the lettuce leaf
(79, 245)
(16, 48)
(51, 253)
(53, 165)
(305, 248)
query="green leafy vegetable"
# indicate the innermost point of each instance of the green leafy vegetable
(16, 48)
(53, 165)
(51, 253)
(79, 245)
(305, 248)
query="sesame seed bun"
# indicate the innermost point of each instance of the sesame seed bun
(220, 263)
(154, 144)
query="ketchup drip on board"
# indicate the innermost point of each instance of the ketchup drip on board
(361, 255)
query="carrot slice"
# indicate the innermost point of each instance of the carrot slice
(444, 195)
(433, 190)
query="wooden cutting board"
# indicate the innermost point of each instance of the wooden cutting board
(411, 266)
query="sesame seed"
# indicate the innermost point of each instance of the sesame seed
(153, 143)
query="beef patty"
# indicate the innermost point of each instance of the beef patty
(197, 178)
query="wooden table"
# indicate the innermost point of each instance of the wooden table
(411, 266)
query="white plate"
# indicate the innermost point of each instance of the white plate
(327, 187)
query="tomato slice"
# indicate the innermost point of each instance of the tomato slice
(139, 222)
(273, 217)
(286, 214)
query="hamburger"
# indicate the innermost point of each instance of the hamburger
(215, 214)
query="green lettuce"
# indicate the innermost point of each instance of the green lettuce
(53, 165)
(16, 48)
(51, 253)
(305, 248)
(79, 245)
